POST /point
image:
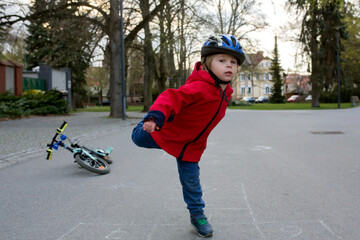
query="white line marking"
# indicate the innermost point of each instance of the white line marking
(260, 148)
(66, 234)
(113, 232)
(251, 212)
(294, 230)
(329, 229)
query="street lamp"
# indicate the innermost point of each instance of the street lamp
(122, 62)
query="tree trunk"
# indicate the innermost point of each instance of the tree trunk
(170, 44)
(115, 63)
(161, 79)
(182, 63)
(149, 62)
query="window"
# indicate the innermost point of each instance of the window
(267, 76)
(267, 89)
(242, 76)
(257, 76)
(267, 64)
(242, 90)
(249, 90)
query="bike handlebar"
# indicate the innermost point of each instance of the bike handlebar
(58, 131)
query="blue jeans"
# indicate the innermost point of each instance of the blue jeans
(142, 138)
(189, 172)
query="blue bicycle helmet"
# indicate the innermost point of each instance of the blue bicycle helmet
(223, 44)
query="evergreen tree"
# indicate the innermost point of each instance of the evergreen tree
(321, 22)
(61, 42)
(276, 89)
(351, 52)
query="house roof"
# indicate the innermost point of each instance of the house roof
(10, 63)
(256, 58)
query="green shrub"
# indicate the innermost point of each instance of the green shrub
(241, 103)
(332, 97)
(50, 102)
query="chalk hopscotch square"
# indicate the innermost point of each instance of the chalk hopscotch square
(236, 231)
(231, 218)
(86, 231)
(306, 230)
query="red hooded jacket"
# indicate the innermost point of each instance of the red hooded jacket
(188, 114)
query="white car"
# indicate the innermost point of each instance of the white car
(293, 98)
(249, 99)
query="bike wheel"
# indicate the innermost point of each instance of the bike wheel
(99, 154)
(98, 166)
(107, 159)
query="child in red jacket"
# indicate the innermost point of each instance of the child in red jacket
(180, 120)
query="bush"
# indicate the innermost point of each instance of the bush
(32, 103)
(332, 97)
(241, 103)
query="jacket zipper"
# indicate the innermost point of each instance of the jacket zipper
(204, 130)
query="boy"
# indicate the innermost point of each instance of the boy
(180, 120)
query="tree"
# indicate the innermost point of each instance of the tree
(322, 19)
(52, 41)
(16, 43)
(243, 18)
(98, 79)
(351, 51)
(149, 58)
(276, 89)
(109, 22)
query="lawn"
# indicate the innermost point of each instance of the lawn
(255, 106)
(291, 106)
(107, 109)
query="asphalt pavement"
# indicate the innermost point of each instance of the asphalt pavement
(266, 175)
(22, 139)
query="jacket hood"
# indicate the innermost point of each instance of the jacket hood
(200, 75)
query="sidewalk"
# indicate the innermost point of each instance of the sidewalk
(21, 139)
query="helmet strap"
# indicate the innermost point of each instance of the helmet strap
(217, 80)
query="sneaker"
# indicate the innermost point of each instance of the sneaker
(201, 225)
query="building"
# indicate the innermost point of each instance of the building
(254, 77)
(297, 85)
(11, 77)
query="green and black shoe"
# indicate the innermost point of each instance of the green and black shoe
(201, 225)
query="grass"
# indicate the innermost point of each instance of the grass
(291, 106)
(257, 106)
(107, 109)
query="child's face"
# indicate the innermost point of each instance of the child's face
(224, 66)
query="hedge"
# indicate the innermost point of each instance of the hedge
(32, 103)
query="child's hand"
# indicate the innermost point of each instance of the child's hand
(150, 126)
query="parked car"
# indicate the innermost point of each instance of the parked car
(249, 99)
(262, 99)
(293, 98)
(308, 98)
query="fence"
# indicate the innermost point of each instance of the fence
(33, 83)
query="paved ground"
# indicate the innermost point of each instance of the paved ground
(266, 175)
(24, 138)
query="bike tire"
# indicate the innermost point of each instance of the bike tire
(98, 155)
(98, 166)
(107, 159)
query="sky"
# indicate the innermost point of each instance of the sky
(277, 17)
